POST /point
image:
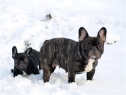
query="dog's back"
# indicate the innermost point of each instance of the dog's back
(57, 48)
(34, 56)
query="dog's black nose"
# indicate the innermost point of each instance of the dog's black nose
(93, 48)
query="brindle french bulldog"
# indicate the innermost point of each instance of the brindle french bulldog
(74, 57)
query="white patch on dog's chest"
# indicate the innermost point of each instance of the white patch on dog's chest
(89, 66)
(38, 67)
(24, 73)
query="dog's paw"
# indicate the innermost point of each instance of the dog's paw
(12, 70)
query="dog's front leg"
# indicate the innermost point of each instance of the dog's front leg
(71, 76)
(16, 71)
(46, 73)
(90, 74)
(71, 73)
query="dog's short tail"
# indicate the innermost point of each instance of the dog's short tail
(12, 70)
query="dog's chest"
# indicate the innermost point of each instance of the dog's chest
(89, 66)
(24, 73)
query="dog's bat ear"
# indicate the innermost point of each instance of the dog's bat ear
(82, 34)
(102, 34)
(28, 51)
(14, 51)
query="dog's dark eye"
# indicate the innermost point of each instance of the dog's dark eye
(88, 45)
(100, 45)
(16, 60)
(26, 59)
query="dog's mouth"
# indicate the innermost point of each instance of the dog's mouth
(94, 57)
(94, 54)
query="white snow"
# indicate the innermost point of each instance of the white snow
(24, 22)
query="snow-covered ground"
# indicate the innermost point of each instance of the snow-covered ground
(25, 22)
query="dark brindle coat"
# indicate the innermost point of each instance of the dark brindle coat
(74, 57)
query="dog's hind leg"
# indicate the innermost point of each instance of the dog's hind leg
(53, 69)
(46, 72)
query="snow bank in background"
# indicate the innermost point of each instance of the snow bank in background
(112, 38)
(24, 22)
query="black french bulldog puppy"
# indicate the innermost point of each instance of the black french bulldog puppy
(25, 63)
(74, 57)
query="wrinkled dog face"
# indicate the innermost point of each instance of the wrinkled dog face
(92, 47)
(21, 60)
